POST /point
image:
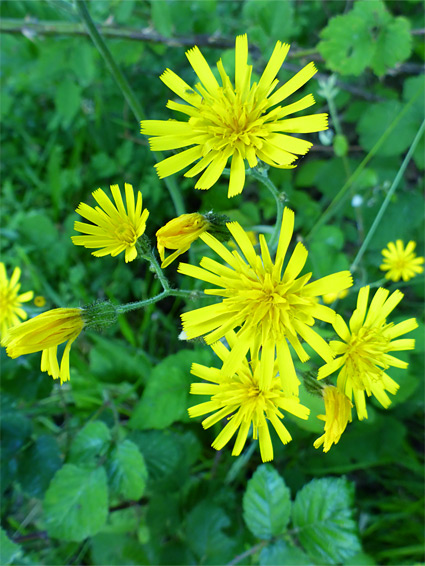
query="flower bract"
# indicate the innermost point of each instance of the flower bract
(240, 400)
(338, 414)
(114, 228)
(241, 121)
(11, 311)
(45, 333)
(401, 262)
(365, 351)
(270, 305)
(178, 234)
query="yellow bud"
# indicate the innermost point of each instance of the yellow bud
(178, 234)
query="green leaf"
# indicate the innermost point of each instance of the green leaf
(9, 551)
(127, 471)
(166, 397)
(38, 465)
(282, 553)
(204, 527)
(76, 503)
(161, 452)
(393, 46)
(266, 503)
(111, 548)
(322, 513)
(90, 443)
(67, 100)
(161, 17)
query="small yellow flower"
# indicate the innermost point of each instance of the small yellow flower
(401, 262)
(178, 234)
(338, 414)
(331, 297)
(45, 333)
(239, 121)
(364, 354)
(11, 311)
(270, 305)
(240, 399)
(113, 229)
(39, 301)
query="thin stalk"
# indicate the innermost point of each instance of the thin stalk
(121, 309)
(387, 199)
(127, 92)
(263, 177)
(337, 201)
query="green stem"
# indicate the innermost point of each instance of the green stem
(262, 176)
(337, 201)
(158, 270)
(121, 309)
(127, 92)
(387, 199)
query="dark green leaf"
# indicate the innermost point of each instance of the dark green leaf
(38, 465)
(76, 503)
(127, 471)
(281, 554)
(322, 513)
(266, 503)
(90, 443)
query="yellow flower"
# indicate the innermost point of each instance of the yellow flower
(401, 262)
(268, 306)
(44, 333)
(39, 301)
(338, 414)
(113, 229)
(233, 121)
(178, 234)
(240, 399)
(364, 353)
(11, 312)
(331, 297)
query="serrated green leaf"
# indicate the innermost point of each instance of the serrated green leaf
(166, 396)
(127, 471)
(282, 553)
(76, 503)
(394, 45)
(266, 503)
(322, 513)
(204, 527)
(160, 450)
(90, 443)
(38, 465)
(9, 551)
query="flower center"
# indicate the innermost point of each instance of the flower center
(365, 356)
(126, 233)
(7, 300)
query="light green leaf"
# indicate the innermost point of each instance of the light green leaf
(76, 503)
(9, 551)
(322, 513)
(282, 553)
(266, 503)
(393, 46)
(127, 471)
(90, 443)
(166, 397)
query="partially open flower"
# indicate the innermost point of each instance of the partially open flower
(178, 234)
(338, 414)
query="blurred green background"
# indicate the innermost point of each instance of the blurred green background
(134, 482)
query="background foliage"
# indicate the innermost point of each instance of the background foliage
(108, 469)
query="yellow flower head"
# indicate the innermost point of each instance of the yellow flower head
(331, 297)
(240, 400)
(338, 414)
(11, 312)
(39, 301)
(240, 121)
(269, 307)
(44, 333)
(178, 234)
(401, 262)
(364, 353)
(113, 229)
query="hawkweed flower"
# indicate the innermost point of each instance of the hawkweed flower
(240, 400)
(338, 414)
(331, 297)
(178, 234)
(45, 333)
(114, 229)
(242, 121)
(401, 262)
(364, 354)
(11, 311)
(270, 308)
